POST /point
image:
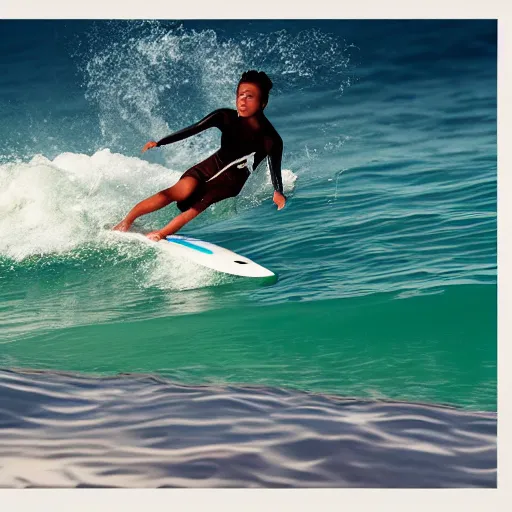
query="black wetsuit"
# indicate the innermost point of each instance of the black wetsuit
(223, 174)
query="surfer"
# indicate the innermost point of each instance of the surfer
(247, 138)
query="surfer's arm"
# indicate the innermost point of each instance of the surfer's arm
(274, 159)
(213, 120)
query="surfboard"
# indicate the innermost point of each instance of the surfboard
(214, 257)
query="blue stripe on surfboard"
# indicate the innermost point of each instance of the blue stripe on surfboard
(190, 245)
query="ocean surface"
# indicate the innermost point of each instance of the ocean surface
(371, 362)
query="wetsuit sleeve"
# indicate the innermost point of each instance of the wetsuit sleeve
(275, 156)
(214, 120)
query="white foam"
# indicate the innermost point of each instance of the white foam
(54, 206)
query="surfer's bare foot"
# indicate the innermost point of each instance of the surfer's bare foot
(124, 225)
(155, 236)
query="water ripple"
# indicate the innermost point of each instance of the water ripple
(62, 430)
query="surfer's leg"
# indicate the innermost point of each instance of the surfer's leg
(229, 186)
(178, 222)
(214, 193)
(178, 192)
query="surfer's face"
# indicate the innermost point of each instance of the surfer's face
(248, 100)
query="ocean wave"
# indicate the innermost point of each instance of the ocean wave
(59, 206)
(407, 345)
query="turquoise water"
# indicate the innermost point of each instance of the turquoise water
(385, 252)
(424, 348)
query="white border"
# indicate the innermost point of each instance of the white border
(255, 500)
(252, 9)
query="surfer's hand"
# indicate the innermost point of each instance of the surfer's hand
(279, 199)
(149, 145)
(155, 236)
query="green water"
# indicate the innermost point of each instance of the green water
(435, 348)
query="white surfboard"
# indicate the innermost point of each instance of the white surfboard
(214, 257)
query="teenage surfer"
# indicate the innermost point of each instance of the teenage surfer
(247, 138)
